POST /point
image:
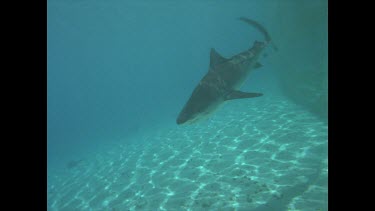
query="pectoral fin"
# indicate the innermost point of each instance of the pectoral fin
(238, 95)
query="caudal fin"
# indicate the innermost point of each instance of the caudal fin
(261, 29)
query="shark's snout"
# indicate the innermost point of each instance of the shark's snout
(181, 119)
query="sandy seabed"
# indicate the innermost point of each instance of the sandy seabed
(256, 154)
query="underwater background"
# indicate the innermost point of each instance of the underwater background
(120, 71)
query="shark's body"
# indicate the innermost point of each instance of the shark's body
(224, 78)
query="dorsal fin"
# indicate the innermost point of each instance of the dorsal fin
(216, 58)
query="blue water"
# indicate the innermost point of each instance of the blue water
(119, 72)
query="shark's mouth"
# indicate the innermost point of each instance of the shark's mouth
(190, 121)
(203, 115)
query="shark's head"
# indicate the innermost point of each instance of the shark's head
(204, 100)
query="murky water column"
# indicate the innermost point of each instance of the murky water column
(301, 33)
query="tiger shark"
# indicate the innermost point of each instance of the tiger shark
(223, 79)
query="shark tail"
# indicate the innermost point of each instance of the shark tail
(261, 29)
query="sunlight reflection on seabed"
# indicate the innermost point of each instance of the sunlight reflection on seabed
(252, 155)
